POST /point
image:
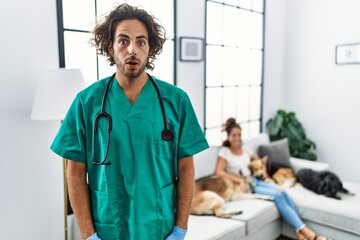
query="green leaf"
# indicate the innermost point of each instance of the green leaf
(286, 125)
(273, 126)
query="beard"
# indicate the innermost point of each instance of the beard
(128, 72)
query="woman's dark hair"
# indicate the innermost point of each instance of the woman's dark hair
(228, 126)
(103, 34)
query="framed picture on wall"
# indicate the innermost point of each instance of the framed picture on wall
(191, 49)
(347, 53)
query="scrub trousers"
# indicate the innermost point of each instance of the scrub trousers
(283, 202)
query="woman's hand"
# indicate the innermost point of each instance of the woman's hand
(244, 186)
(242, 183)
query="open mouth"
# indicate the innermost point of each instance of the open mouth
(132, 63)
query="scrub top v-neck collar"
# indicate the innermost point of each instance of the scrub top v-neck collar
(132, 110)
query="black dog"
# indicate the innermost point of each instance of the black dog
(322, 182)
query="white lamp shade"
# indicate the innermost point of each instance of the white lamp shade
(56, 90)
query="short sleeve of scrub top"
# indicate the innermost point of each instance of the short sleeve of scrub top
(70, 140)
(191, 136)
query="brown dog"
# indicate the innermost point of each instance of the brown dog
(283, 176)
(212, 192)
(258, 169)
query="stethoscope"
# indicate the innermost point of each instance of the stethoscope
(166, 134)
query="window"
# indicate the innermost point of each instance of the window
(234, 66)
(76, 20)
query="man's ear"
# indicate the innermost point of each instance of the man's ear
(110, 49)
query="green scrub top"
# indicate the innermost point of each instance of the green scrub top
(134, 197)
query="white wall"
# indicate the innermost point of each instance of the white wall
(191, 75)
(274, 45)
(31, 202)
(325, 96)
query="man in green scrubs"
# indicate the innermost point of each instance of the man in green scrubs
(144, 187)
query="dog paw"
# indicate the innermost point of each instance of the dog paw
(265, 197)
(228, 214)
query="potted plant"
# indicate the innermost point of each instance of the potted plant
(286, 125)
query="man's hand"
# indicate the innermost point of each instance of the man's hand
(177, 234)
(93, 237)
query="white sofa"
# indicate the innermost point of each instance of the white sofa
(260, 219)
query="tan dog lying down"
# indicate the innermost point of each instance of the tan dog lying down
(212, 192)
(283, 176)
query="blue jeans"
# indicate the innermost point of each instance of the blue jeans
(284, 204)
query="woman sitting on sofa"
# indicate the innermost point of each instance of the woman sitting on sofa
(233, 158)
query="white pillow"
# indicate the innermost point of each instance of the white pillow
(298, 163)
(254, 142)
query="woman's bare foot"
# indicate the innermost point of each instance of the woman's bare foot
(300, 236)
(311, 235)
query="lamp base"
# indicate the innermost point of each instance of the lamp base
(66, 201)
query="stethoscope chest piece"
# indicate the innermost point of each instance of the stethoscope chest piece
(167, 135)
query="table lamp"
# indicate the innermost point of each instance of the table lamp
(55, 92)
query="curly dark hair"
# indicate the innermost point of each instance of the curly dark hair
(229, 125)
(104, 32)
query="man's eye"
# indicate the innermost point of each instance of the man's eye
(122, 41)
(141, 43)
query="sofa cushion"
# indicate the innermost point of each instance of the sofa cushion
(342, 214)
(278, 155)
(209, 227)
(256, 213)
(254, 142)
(205, 162)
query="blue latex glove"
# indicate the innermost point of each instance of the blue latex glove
(177, 234)
(93, 237)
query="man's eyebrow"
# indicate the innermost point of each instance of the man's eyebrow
(122, 35)
(141, 36)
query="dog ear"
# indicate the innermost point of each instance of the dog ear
(321, 187)
(265, 158)
(250, 167)
(324, 174)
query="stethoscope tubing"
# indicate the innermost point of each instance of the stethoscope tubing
(166, 134)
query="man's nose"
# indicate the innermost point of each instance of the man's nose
(132, 49)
